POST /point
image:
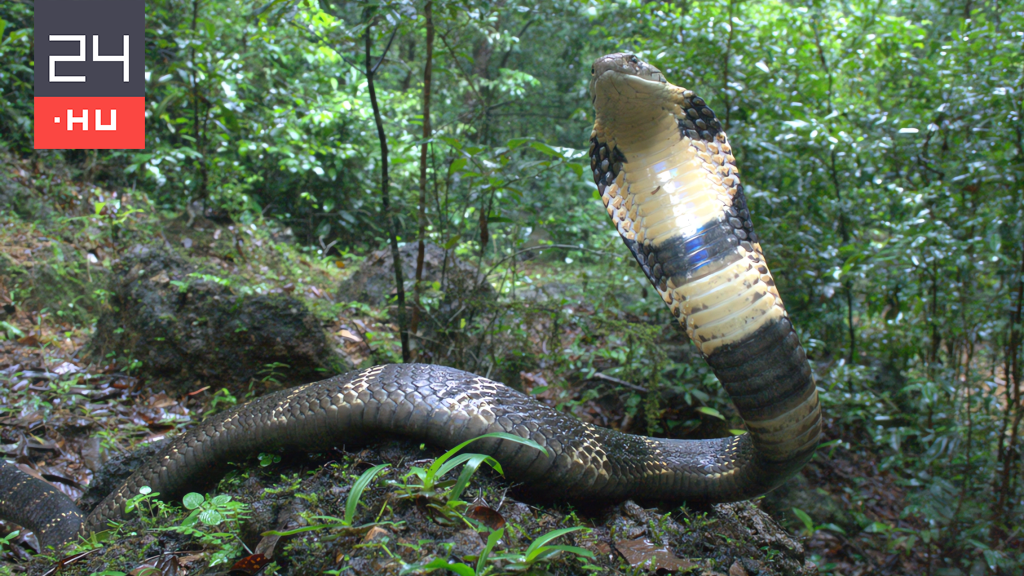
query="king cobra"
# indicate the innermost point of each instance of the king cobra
(668, 179)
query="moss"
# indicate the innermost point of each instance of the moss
(175, 319)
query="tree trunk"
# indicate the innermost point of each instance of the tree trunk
(428, 11)
(385, 191)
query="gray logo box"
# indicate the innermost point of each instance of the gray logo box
(110, 20)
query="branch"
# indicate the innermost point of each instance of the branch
(613, 379)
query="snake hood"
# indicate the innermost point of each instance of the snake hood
(668, 180)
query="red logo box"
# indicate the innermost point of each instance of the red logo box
(103, 123)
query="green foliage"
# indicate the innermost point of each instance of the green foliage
(151, 510)
(443, 496)
(214, 522)
(6, 540)
(427, 482)
(536, 553)
(356, 492)
(351, 507)
(810, 527)
(539, 551)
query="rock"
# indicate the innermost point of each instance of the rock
(466, 543)
(374, 282)
(737, 569)
(189, 328)
(764, 533)
(457, 302)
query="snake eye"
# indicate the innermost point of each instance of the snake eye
(633, 60)
(591, 70)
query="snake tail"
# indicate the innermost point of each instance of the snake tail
(38, 506)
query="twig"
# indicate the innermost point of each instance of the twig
(613, 379)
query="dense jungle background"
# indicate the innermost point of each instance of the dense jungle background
(294, 148)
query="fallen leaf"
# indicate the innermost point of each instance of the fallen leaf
(349, 336)
(486, 516)
(162, 400)
(642, 552)
(249, 565)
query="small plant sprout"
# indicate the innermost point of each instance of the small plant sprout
(356, 493)
(351, 507)
(149, 507)
(459, 568)
(5, 541)
(210, 513)
(810, 527)
(539, 551)
(430, 484)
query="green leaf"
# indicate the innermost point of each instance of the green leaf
(193, 500)
(537, 545)
(452, 241)
(454, 143)
(469, 469)
(356, 492)
(492, 540)
(428, 482)
(442, 564)
(457, 164)
(808, 523)
(516, 143)
(211, 517)
(833, 528)
(710, 412)
(545, 149)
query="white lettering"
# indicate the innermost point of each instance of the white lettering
(113, 120)
(80, 57)
(72, 120)
(123, 58)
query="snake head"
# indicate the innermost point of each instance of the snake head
(623, 67)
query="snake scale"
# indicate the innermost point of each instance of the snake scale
(667, 176)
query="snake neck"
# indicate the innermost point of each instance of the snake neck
(668, 179)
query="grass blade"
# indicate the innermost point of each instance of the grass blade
(357, 492)
(537, 544)
(492, 540)
(428, 482)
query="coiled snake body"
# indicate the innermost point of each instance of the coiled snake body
(668, 179)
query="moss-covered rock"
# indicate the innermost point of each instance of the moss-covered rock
(168, 318)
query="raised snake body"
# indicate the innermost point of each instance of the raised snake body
(668, 180)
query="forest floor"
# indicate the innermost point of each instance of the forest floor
(65, 414)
